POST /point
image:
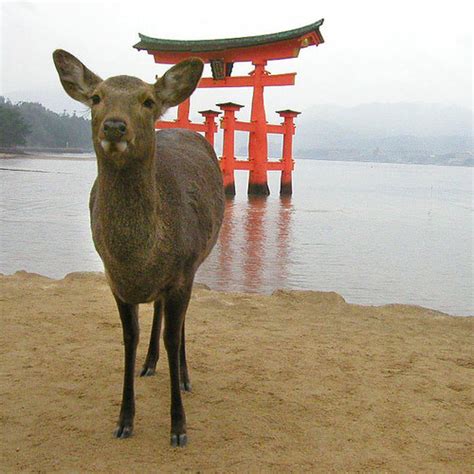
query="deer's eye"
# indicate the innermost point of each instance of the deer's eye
(95, 99)
(149, 103)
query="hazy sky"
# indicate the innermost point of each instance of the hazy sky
(375, 51)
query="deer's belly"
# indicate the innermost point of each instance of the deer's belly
(135, 287)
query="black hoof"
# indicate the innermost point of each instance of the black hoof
(147, 372)
(185, 386)
(179, 440)
(123, 431)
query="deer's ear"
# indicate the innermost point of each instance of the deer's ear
(78, 81)
(179, 82)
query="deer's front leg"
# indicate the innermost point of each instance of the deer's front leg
(129, 317)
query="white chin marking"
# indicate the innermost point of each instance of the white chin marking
(113, 147)
(122, 146)
(105, 145)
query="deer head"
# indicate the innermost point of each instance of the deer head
(125, 108)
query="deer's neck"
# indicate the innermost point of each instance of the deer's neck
(128, 211)
(128, 189)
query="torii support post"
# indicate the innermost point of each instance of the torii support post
(182, 119)
(228, 147)
(286, 186)
(210, 124)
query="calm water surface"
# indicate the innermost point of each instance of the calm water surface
(375, 233)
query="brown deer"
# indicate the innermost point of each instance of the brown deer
(156, 208)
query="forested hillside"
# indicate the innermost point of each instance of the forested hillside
(32, 125)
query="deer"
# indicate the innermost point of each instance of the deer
(156, 208)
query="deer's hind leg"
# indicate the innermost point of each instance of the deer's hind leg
(153, 354)
(185, 382)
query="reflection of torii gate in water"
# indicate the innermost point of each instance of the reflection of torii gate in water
(222, 54)
(253, 252)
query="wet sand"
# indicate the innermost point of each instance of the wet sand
(297, 381)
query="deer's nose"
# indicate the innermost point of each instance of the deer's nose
(114, 129)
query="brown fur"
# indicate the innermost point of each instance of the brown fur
(156, 210)
(154, 225)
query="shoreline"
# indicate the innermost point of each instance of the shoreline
(202, 285)
(295, 380)
(45, 155)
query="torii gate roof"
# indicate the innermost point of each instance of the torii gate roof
(282, 45)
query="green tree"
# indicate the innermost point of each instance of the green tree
(40, 127)
(13, 128)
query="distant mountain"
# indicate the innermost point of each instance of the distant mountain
(402, 132)
(47, 129)
(378, 119)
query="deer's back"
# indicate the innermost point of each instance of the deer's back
(188, 174)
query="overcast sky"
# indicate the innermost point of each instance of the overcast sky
(375, 51)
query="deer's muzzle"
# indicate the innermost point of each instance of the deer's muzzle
(114, 130)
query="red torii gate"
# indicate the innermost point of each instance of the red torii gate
(222, 54)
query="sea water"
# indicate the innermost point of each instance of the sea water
(375, 233)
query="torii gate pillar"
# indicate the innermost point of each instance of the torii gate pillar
(258, 142)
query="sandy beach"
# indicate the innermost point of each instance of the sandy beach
(298, 381)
